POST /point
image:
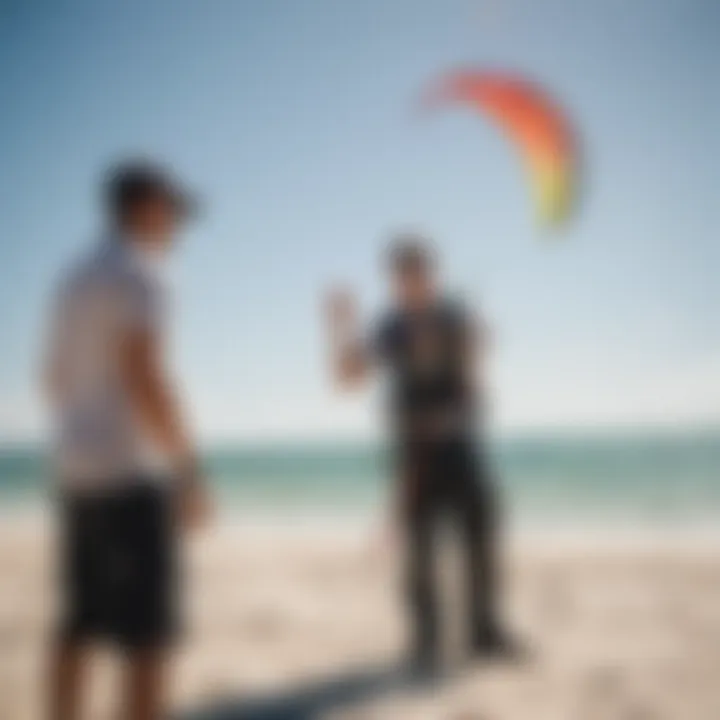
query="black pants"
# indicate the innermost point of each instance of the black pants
(118, 561)
(450, 479)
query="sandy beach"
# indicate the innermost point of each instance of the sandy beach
(307, 622)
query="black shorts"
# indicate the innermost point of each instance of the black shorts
(119, 567)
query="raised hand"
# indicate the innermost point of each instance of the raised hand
(341, 311)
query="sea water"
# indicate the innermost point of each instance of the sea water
(637, 479)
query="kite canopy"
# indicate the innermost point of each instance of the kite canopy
(533, 122)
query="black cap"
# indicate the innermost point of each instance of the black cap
(134, 182)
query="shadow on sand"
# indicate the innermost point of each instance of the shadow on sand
(311, 701)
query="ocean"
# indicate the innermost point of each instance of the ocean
(659, 479)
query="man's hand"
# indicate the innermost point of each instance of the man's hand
(348, 358)
(341, 312)
(193, 502)
(194, 509)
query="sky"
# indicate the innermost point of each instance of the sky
(297, 122)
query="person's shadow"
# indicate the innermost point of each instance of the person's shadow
(311, 701)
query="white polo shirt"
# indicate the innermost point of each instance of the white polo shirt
(99, 441)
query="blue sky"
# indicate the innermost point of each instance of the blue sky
(295, 120)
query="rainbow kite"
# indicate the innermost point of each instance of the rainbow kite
(534, 123)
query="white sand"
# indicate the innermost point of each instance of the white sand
(620, 631)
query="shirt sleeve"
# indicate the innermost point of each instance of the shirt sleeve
(145, 302)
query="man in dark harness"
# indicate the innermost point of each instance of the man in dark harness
(429, 347)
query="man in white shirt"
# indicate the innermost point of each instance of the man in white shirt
(125, 466)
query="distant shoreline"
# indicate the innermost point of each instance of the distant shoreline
(603, 433)
(643, 481)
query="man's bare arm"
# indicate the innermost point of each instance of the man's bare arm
(153, 396)
(350, 363)
(154, 400)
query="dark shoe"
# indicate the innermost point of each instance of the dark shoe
(423, 666)
(495, 644)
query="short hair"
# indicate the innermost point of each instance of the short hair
(129, 185)
(411, 251)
